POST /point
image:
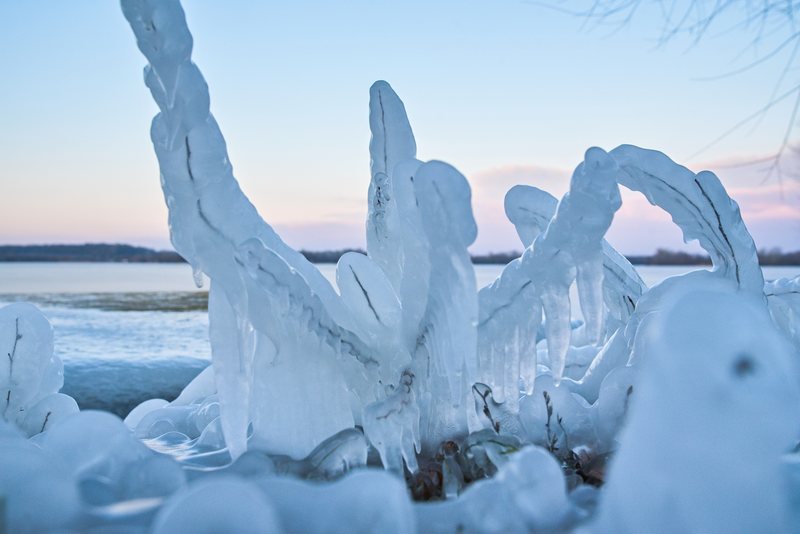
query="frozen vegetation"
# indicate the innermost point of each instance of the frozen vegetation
(330, 411)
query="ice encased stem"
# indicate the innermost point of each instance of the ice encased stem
(699, 206)
(452, 312)
(209, 219)
(29, 371)
(392, 425)
(392, 142)
(571, 247)
(369, 296)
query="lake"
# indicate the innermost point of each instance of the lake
(120, 325)
(154, 310)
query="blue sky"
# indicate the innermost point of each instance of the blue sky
(506, 91)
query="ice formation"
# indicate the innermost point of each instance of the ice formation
(264, 314)
(784, 304)
(493, 402)
(718, 370)
(222, 505)
(31, 374)
(273, 316)
(29, 477)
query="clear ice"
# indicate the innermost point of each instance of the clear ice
(492, 402)
(30, 375)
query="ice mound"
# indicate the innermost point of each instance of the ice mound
(367, 501)
(107, 462)
(218, 505)
(717, 405)
(38, 492)
(31, 374)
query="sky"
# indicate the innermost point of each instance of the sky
(507, 91)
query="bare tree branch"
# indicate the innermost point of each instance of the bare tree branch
(776, 101)
(764, 20)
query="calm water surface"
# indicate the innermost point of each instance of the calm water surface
(121, 278)
(144, 311)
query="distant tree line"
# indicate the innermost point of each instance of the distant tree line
(776, 257)
(772, 257)
(88, 253)
(669, 257)
(131, 254)
(766, 258)
(494, 258)
(328, 256)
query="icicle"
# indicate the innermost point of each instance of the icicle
(197, 275)
(392, 426)
(452, 312)
(573, 243)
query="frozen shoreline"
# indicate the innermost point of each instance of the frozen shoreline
(122, 348)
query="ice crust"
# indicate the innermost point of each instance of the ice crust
(467, 398)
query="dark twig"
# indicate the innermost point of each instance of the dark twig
(46, 417)
(486, 412)
(552, 438)
(13, 352)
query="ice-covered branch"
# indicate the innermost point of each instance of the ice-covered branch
(396, 239)
(392, 142)
(510, 309)
(699, 206)
(530, 210)
(452, 313)
(31, 374)
(370, 298)
(570, 248)
(210, 218)
(419, 227)
(392, 425)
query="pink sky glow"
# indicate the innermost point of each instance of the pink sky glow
(131, 210)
